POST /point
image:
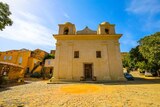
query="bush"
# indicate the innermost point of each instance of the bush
(49, 76)
(4, 80)
(36, 75)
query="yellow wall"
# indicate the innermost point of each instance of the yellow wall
(20, 57)
(24, 55)
(31, 62)
(7, 54)
(38, 54)
(14, 56)
(14, 72)
(38, 69)
(23, 58)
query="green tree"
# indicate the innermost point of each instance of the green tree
(149, 47)
(136, 57)
(4, 16)
(48, 56)
(132, 58)
(146, 55)
(127, 61)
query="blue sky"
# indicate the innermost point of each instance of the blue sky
(35, 21)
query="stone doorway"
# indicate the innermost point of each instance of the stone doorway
(88, 71)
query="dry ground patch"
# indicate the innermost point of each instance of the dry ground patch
(140, 93)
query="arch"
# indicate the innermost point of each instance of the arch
(106, 31)
(66, 31)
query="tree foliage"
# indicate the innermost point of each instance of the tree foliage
(49, 56)
(150, 49)
(131, 60)
(4, 16)
(146, 55)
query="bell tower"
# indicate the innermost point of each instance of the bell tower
(105, 28)
(67, 29)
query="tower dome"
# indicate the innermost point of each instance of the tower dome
(104, 23)
(68, 23)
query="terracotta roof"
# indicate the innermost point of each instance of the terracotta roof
(11, 64)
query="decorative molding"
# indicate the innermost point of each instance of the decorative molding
(87, 37)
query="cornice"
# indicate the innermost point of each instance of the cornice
(87, 37)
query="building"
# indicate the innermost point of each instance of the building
(29, 60)
(53, 52)
(11, 72)
(87, 54)
(19, 57)
(49, 67)
(38, 54)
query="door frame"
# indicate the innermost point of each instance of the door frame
(84, 70)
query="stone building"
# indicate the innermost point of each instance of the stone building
(88, 54)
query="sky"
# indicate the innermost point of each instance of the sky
(35, 21)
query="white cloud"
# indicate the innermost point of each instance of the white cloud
(28, 31)
(26, 27)
(66, 15)
(147, 11)
(150, 7)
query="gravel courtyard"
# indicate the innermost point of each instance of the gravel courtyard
(141, 93)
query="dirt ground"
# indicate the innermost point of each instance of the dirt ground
(143, 92)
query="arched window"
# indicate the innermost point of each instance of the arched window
(106, 31)
(66, 31)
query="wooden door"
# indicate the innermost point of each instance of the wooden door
(88, 71)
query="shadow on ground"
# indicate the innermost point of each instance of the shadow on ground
(136, 81)
(12, 84)
(9, 85)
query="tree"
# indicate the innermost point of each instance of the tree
(136, 57)
(146, 55)
(127, 62)
(48, 56)
(132, 58)
(4, 16)
(149, 47)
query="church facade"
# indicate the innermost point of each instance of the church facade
(88, 55)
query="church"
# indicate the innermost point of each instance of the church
(88, 55)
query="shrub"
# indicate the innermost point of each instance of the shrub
(36, 75)
(48, 75)
(4, 79)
